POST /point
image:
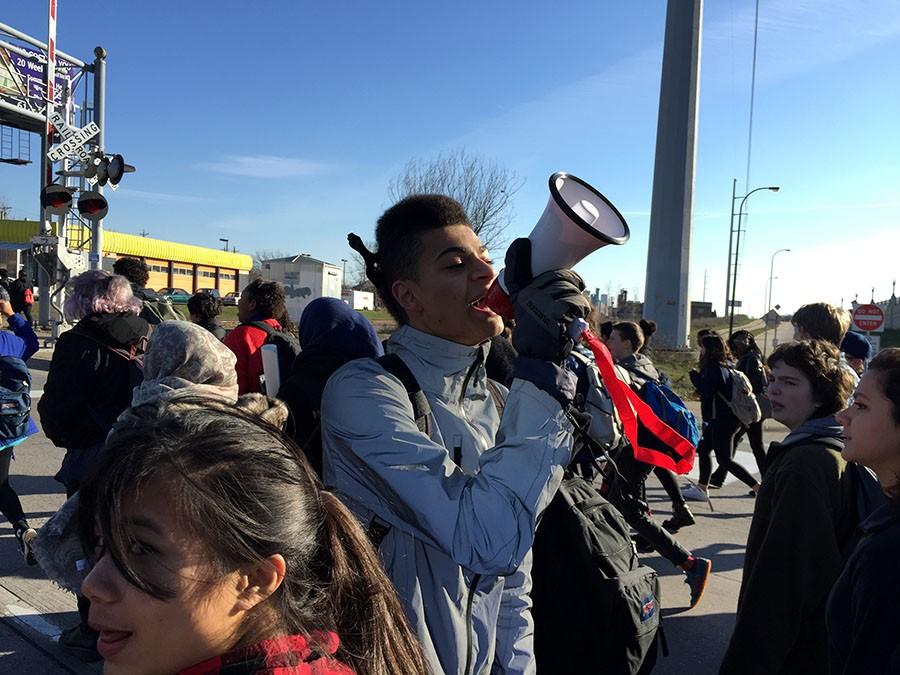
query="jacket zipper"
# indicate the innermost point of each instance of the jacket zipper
(479, 360)
(470, 627)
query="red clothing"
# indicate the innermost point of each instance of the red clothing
(245, 342)
(286, 655)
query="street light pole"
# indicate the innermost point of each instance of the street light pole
(344, 273)
(737, 251)
(769, 298)
(224, 248)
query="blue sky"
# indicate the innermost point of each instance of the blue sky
(279, 125)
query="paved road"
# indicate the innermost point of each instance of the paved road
(783, 332)
(33, 611)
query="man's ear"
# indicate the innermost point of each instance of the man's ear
(405, 292)
(258, 581)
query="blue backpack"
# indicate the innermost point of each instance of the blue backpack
(15, 400)
(669, 407)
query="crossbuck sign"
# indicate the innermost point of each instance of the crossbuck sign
(73, 140)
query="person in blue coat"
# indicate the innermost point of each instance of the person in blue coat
(20, 344)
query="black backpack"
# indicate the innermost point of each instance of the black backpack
(15, 397)
(287, 345)
(596, 608)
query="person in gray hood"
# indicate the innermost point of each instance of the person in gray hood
(457, 506)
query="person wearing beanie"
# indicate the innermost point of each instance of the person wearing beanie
(857, 350)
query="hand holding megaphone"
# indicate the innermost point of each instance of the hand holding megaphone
(544, 306)
(577, 221)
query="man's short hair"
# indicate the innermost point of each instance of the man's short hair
(399, 240)
(821, 321)
(204, 306)
(133, 269)
(820, 362)
(269, 297)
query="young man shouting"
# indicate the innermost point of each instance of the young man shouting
(456, 507)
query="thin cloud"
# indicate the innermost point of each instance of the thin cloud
(150, 196)
(265, 166)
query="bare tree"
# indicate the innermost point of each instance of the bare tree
(484, 189)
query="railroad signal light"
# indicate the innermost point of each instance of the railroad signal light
(57, 199)
(116, 168)
(92, 206)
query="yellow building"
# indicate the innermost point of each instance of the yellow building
(172, 265)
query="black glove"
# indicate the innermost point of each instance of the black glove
(543, 307)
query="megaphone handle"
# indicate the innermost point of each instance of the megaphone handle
(576, 329)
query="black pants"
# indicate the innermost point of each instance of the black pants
(755, 437)
(625, 493)
(670, 485)
(10, 505)
(718, 437)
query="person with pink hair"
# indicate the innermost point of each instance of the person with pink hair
(90, 381)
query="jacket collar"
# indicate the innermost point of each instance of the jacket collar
(440, 366)
(884, 516)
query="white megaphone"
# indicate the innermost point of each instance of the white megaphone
(576, 222)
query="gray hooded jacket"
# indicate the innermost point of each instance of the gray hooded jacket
(458, 547)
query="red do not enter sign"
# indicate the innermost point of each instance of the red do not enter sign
(868, 317)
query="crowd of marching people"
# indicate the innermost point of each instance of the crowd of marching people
(419, 505)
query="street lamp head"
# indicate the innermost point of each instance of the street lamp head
(774, 188)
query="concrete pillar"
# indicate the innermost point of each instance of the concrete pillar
(666, 299)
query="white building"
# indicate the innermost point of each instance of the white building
(304, 278)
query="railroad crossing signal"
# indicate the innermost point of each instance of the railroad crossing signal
(58, 200)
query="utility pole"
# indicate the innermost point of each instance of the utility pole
(96, 257)
(705, 283)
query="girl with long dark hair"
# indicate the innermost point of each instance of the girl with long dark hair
(750, 362)
(216, 549)
(720, 424)
(862, 622)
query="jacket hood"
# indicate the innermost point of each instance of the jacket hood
(820, 427)
(329, 325)
(638, 364)
(123, 329)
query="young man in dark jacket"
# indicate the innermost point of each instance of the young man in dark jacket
(803, 521)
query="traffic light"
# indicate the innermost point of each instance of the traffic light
(57, 199)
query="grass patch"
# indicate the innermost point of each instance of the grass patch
(676, 363)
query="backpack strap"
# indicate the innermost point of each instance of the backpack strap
(262, 325)
(421, 409)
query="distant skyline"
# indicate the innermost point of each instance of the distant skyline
(279, 126)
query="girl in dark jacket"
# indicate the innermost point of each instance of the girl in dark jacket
(89, 383)
(218, 551)
(713, 381)
(863, 627)
(804, 516)
(750, 363)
